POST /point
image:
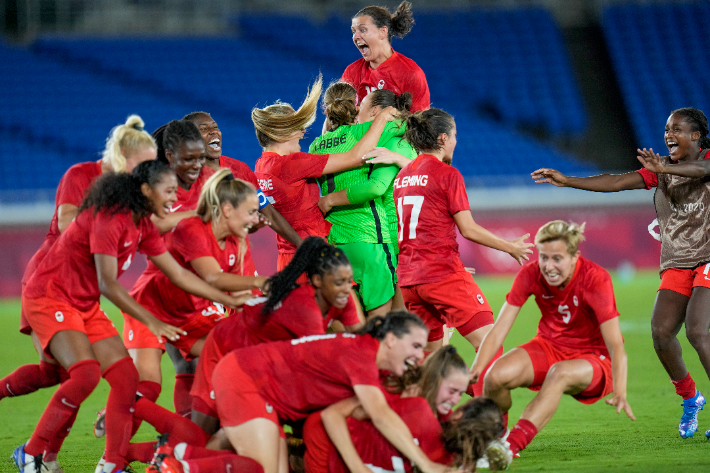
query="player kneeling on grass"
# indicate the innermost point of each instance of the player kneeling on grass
(578, 349)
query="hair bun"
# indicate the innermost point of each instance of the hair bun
(138, 126)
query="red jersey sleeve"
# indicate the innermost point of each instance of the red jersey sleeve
(522, 286)
(419, 89)
(300, 166)
(650, 179)
(191, 239)
(73, 185)
(106, 232)
(151, 242)
(456, 193)
(599, 295)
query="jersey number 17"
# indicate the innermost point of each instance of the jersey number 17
(416, 201)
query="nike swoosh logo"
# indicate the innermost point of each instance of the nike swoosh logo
(547, 297)
(64, 401)
(173, 209)
(127, 244)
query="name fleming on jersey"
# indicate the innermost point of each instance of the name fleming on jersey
(406, 181)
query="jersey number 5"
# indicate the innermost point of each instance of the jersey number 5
(416, 201)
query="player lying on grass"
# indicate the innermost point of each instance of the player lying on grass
(578, 349)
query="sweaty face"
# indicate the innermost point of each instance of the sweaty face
(369, 39)
(406, 351)
(556, 264)
(211, 135)
(679, 137)
(450, 390)
(187, 161)
(246, 215)
(144, 153)
(336, 285)
(163, 194)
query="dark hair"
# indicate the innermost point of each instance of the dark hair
(193, 115)
(178, 132)
(339, 104)
(122, 192)
(398, 322)
(158, 137)
(386, 98)
(424, 128)
(398, 24)
(314, 256)
(699, 122)
(467, 437)
(437, 366)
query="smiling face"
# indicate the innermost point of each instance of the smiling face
(450, 390)
(211, 135)
(680, 137)
(333, 287)
(400, 353)
(369, 39)
(556, 264)
(239, 220)
(144, 153)
(187, 161)
(162, 195)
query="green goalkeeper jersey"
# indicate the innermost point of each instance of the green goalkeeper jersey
(367, 221)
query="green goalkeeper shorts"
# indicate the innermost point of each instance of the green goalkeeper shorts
(373, 272)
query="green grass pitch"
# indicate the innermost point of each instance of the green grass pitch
(579, 438)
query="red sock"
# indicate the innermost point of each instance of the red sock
(476, 389)
(231, 462)
(83, 378)
(122, 376)
(181, 394)
(141, 452)
(685, 387)
(29, 378)
(149, 390)
(522, 434)
(164, 421)
(55, 444)
(193, 452)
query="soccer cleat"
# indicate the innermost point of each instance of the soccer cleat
(162, 449)
(100, 424)
(165, 463)
(53, 467)
(499, 455)
(689, 421)
(26, 463)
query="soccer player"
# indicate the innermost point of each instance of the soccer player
(442, 434)
(354, 201)
(127, 146)
(287, 176)
(431, 203)
(212, 137)
(290, 311)
(287, 380)
(682, 200)
(61, 303)
(380, 66)
(578, 349)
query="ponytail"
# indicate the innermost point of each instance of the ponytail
(339, 104)
(425, 127)
(125, 140)
(398, 24)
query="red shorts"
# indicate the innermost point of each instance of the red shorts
(283, 260)
(683, 281)
(319, 447)
(48, 316)
(24, 324)
(543, 355)
(237, 397)
(137, 335)
(201, 391)
(457, 301)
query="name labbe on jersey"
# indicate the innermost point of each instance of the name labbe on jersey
(406, 181)
(330, 142)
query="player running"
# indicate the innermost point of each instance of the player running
(578, 349)
(380, 66)
(61, 301)
(682, 201)
(354, 201)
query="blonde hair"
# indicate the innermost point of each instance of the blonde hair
(124, 140)
(276, 123)
(219, 189)
(339, 104)
(571, 233)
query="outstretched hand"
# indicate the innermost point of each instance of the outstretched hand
(521, 250)
(549, 176)
(621, 403)
(650, 160)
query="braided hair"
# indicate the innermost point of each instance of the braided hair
(397, 322)
(314, 256)
(122, 192)
(178, 132)
(699, 122)
(158, 135)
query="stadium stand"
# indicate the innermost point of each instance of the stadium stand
(659, 53)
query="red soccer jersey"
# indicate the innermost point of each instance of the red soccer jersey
(380, 455)
(289, 184)
(191, 239)
(650, 179)
(398, 74)
(239, 169)
(68, 272)
(71, 190)
(307, 374)
(188, 199)
(571, 316)
(428, 194)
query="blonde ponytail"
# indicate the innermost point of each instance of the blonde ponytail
(124, 140)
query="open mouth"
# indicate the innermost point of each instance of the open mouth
(215, 144)
(672, 146)
(363, 47)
